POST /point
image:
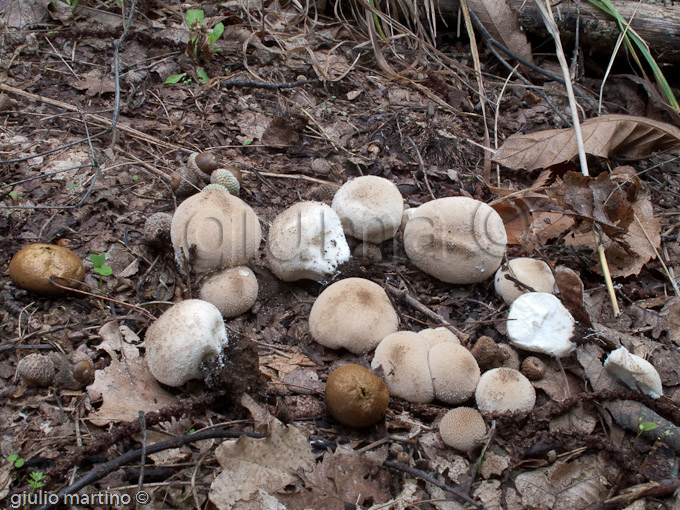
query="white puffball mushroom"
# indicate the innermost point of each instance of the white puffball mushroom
(354, 314)
(456, 239)
(184, 336)
(462, 428)
(403, 359)
(533, 273)
(455, 372)
(233, 291)
(214, 230)
(538, 322)
(306, 241)
(370, 208)
(434, 336)
(635, 372)
(504, 389)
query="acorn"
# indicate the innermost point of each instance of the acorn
(36, 370)
(83, 371)
(215, 187)
(356, 397)
(206, 162)
(226, 177)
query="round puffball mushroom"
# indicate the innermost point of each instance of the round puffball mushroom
(157, 229)
(370, 208)
(306, 241)
(356, 397)
(403, 359)
(32, 266)
(434, 336)
(354, 314)
(538, 322)
(233, 291)
(504, 389)
(533, 273)
(213, 230)
(456, 239)
(454, 372)
(635, 372)
(184, 336)
(462, 428)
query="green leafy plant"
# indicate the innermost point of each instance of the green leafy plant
(101, 269)
(15, 460)
(15, 195)
(644, 426)
(72, 4)
(36, 480)
(201, 45)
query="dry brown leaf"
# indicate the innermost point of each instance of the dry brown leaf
(252, 464)
(670, 319)
(605, 136)
(571, 294)
(501, 22)
(126, 385)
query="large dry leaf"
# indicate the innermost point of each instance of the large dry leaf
(252, 464)
(501, 22)
(126, 385)
(605, 136)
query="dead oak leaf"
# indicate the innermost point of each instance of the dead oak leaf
(606, 136)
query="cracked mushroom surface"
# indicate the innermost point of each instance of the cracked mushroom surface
(306, 241)
(184, 336)
(354, 314)
(370, 208)
(456, 239)
(214, 230)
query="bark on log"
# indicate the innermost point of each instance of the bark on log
(657, 24)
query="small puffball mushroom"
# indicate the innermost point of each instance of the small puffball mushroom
(32, 266)
(485, 351)
(434, 336)
(370, 208)
(403, 359)
(462, 428)
(456, 239)
(213, 230)
(533, 368)
(36, 370)
(233, 291)
(538, 322)
(354, 314)
(635, 372)
(454, 372)
(157, 229)
(367, 252)
(184, 336)
(306, 241)
(356, 397)
(504, 389)
(533, 273)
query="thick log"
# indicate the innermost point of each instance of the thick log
(657, 24)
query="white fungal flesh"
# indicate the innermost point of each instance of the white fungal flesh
(635, 372)
(538, 322)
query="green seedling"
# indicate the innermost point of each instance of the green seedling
(644, 426)
(36, 480)
(72, 4)
(201, 45)
(101, 269)
(15, 460)
(135, 178)
(15, 195)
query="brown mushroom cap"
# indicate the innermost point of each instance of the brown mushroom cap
(403, 359)
(233, 291)
(370, 208)
(354, 314)
(356, 397)
(462, 428)
(531, 272)
(32, 266)
(456, 239)
(454, 372)
(504, 389)
(214, 230)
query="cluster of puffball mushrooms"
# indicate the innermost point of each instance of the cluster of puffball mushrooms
(458, 240)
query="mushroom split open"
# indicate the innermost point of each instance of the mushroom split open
(635, 372)
(420, 367)
(455, 239)
(306, 241)
(184, 336)
(354, 314)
